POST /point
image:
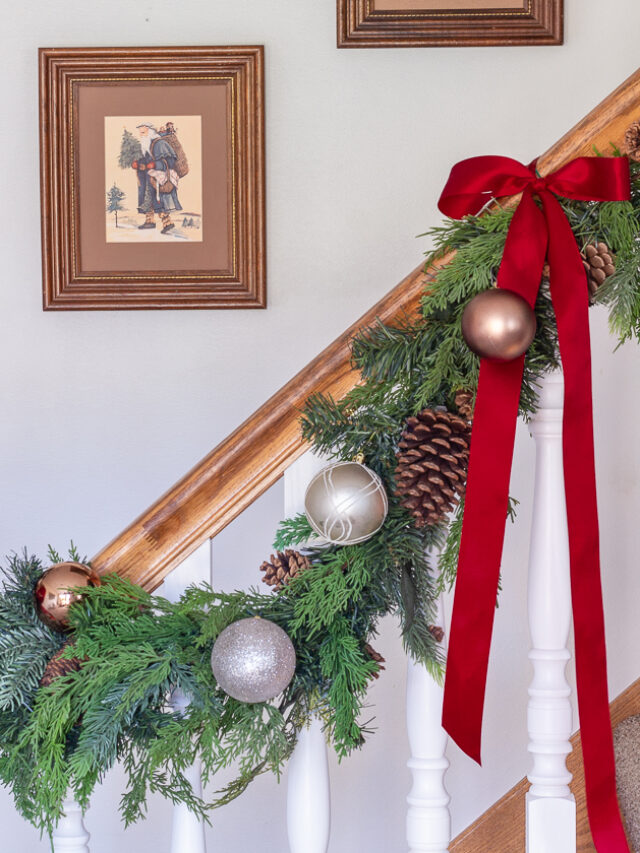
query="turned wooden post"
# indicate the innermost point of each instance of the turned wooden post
(428, 817)
(187, 831)
(551, 808)
(308, 794)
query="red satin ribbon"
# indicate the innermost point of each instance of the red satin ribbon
(534, 234)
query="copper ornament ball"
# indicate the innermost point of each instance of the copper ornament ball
(498, 324)
(53, 593)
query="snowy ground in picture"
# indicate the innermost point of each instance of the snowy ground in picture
(188, 226)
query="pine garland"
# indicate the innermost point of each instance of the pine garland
(136, 649)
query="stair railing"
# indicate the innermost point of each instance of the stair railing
(254, 457)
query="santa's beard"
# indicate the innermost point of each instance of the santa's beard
(145, 142)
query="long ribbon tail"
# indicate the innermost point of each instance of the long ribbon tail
(486, 504)
(571, 307)
(487, 497)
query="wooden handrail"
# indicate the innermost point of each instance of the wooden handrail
(255, 455)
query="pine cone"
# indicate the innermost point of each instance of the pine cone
(631, 145)
(59, 666)
(377, 657)
(282, 566)
(432, 464)
(464, 402)
(598, 265)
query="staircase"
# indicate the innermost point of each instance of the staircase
(170, 542)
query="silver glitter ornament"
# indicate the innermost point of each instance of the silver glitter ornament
(346, 503)
(253, 660)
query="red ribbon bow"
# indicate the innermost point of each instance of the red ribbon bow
(534, 234)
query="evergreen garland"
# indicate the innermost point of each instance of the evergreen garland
(136, 649)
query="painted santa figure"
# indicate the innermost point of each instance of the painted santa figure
(157, 178)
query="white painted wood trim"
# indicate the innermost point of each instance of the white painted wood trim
(187, 830)
(308, 789)
(308, 793)
(428, 816)
(550, 806)
(71, 836)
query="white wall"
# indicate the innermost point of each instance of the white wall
(100, 412)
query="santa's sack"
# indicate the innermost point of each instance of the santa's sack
(182, 164)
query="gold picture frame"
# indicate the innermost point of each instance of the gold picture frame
(448, 23)
(160, 228)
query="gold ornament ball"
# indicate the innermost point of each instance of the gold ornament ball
(346, 503)
(53, 593)
(498, 325)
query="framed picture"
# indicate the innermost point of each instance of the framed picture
(152, 178)
(448, 23)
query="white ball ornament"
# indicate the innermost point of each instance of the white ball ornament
(253, 660)
(346, 503)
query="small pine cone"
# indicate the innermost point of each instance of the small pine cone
(282, 566)
(598, 265)
(59, 666)
(377, 657)
(464, 402)
(437, 633)
(631, 145)
(433, 456)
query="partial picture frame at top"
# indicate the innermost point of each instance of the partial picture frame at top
(449, 23)
(152, 178)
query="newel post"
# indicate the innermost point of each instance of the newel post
(308, 794)
(551, 809)
(428, 816)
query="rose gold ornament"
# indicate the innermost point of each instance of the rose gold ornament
(498, 324)
(53, 593)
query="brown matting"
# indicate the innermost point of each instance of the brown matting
(210, 99)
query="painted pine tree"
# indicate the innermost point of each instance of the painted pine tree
(130, 149)
(115, 196)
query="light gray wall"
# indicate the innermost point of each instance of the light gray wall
(100, 412)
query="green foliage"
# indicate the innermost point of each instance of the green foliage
(26, 643)
(293, 531)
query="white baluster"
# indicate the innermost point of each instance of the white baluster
(428, 817)
(551, 809)
(308, 794)
(71, 836)
(187, 831)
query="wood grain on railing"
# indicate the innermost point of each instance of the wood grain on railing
(253, 457)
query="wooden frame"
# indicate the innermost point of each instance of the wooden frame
(89, 266)
(414, 23)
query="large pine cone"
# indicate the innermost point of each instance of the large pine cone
(59, 666)
(282, 566)
(432, 464)
(598, 265)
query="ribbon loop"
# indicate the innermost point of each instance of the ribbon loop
(533, 234)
